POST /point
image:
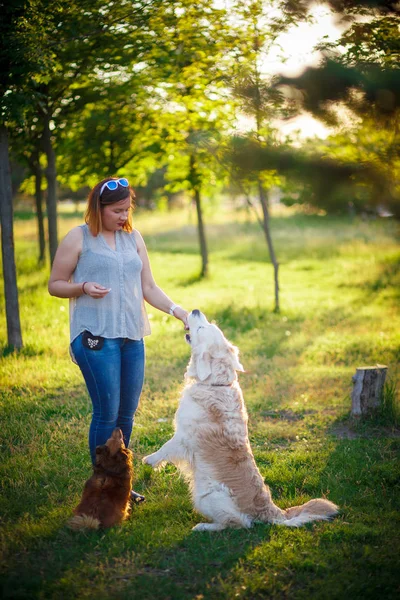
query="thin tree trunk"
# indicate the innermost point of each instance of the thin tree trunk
(14, 336)
(202, 235)
(268, 237)
(51, 198)
(36, 169)
(261, 191)
(194, 179)
(39, 213)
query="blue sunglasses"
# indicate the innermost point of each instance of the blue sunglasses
(113, 184)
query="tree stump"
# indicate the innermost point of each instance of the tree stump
(367, 391)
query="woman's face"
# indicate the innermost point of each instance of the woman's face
(114, 216)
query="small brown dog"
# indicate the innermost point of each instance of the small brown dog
(106, 495)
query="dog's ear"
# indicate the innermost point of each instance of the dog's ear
(200, 364)
(203, 365)
(235, 358)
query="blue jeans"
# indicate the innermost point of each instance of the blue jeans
(114, 379)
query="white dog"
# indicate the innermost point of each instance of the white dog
(211, 445)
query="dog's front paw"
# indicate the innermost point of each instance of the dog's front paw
(152, 460)
(147, 460)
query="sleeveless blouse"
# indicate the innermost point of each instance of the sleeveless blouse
(121, 313)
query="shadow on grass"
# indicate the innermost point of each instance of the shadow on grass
(364, 465)
(388, 277)
(247, 240)
(378, 425)
(153, 555)
(192, 279)
(27, 215)
(156, 556)
(27, 350)
(60, 563)
(32, 288)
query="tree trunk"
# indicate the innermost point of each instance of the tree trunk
(194, 179)
(36, 169)
(368, 387)
(51, 177)
(14, 336)
(202, 235)
(39, 213)
(268, 237)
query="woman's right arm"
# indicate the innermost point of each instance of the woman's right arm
(64, 265)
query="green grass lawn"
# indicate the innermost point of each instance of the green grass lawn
(340, 297)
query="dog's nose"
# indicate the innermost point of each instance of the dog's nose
(196, 312)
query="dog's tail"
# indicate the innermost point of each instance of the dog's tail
(318, 509)
(83, 522)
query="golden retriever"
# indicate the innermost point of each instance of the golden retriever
(106, 495)
(211, 446)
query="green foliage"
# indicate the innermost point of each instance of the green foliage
(87, 46)
(149, 111)
(390, 404)
(22, 58)
(115, 134)
(329, 175)
(356, 88)
(339, 308)
(299, 8)
(334, 83)
(196, 110)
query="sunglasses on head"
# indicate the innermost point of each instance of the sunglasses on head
(113, 184)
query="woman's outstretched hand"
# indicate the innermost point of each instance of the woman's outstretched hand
(182, 314)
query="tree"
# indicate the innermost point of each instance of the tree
(26, 149)
(259, 100)
(14, 335)
(116, 133)
(192, 97)
(299, 8)
(85, 39)
(21, 59)
(362, 81)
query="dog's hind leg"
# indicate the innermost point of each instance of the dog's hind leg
(236, 521)
(219, 507)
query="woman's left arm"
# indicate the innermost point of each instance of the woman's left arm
(153, 294)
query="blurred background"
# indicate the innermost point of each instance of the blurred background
(251, 105)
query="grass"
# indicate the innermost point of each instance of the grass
(339, 297)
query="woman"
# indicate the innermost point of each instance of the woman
(103, 267)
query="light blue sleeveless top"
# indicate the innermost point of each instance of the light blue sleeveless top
(121, 313)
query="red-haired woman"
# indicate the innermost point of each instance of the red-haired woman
(103, 267)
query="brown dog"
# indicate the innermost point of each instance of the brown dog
(106, 495)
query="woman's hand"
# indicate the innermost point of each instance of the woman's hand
(182, 314)
(95, 290)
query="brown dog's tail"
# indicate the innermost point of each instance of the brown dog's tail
(318, 509)
(83, 522)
